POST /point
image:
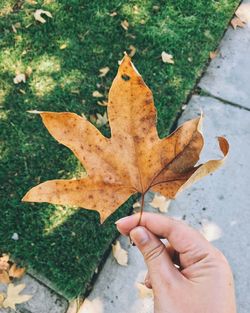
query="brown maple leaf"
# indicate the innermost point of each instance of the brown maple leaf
(134, 160)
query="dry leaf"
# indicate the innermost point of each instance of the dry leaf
(19, 79)
(97, 94)
(103, 71)
(16, 272)
(120, 254)
(134, 160)
(132, 51)
(14, 297)
(213, 54)
(4, 262)
(161, 203)
(2, 297)
(38, 15)
(63, 46)
(125, 25)
(102, 103)
(4, 277)
(237, 22)
(101, 119)
(113, 14)
(144, 292)
(167, 58)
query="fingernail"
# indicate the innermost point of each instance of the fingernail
(122, 219)
(139, 235)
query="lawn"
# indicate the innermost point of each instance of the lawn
(63, 57)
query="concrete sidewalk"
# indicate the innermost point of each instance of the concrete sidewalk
(219, 205)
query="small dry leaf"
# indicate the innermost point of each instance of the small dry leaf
(113, 14)
(63, 46)
(102, 103)
(97, 94)
(161, 203)
(125, 25)
(167, 58)
(14, 297)
(4, 262)
(4, 277)
(144, 292)
(103, 71)
(132, 51)
(120, 254)
(19, 79)
(2, 297)
(101, 119)
(237, 22)
(38, 15)
(213, 54)
(16, 272)
(136, 205)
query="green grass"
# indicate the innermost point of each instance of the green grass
(64, 244)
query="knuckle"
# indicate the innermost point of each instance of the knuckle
(153, 252)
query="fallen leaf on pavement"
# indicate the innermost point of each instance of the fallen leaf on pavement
(120, 254)
(97, 94)
(213, 54)
(4, 277)
(167, 58)
(144, 292)
(20, 78)
(237, 22)
(14, 297)
(16, 272)
(4, 262)
(38, 15)
(161, 203)
(133, 160)
(103, 71)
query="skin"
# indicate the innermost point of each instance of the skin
(203, 283)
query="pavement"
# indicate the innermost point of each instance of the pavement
(218, 205)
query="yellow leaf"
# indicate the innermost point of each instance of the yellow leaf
(167, 58)
(132, 51)
(102, 103)
(101, 119)
(2, 297)
(63, 46)
(125, 25)
(103, 71)
(38, 15)
(213, 54)
(97, 94)
(14, 297)
(120, 254)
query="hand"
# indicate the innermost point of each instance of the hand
(203, 281)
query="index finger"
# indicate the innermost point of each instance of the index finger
(181, 237)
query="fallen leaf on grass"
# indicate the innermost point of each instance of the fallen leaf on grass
(102, 103)
(63, 46)
(133, 160)
(167, 58)
(38, 15)
(161, 203)
(144, 292)
(20, 78)
(13, 296)
(132, 51)
(103, 71)
(101, 119)
(125, 25)
(237, 22)
(97, 94)
(113, 14)
(120, 254)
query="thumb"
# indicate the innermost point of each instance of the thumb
(157, 259)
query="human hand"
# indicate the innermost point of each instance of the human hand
(202, 284)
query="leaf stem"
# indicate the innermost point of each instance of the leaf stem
(142, 207)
